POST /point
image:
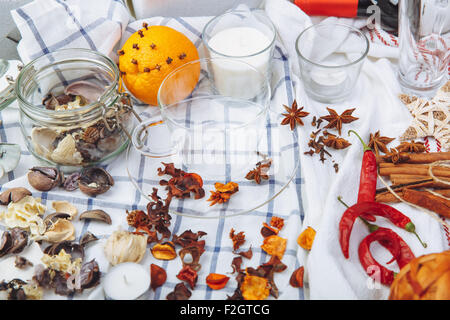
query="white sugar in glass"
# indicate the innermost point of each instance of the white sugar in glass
(247, 36)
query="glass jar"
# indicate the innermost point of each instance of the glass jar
(73, 112)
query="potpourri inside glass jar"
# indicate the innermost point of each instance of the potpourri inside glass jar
(72, 112)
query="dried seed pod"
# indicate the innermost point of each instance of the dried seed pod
(44, 178)
(164, 251)
(74, 249)
(98, 215)
(189, 275)
(6, 243)
(61, 230)
(89, 274)
(158, 276)
(71, 182)
(22, 263)
(13, 195)
(53, 217)
(190, 256)
(217, 281)
(91, 135)
(19, 240)
(87, 237)
(94, 181)
(65, 207)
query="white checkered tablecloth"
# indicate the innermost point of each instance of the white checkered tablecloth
(123, 196)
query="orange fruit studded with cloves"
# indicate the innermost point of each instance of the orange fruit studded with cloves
(149, 55)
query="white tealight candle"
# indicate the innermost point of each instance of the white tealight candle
(245, 44)
(126, 281)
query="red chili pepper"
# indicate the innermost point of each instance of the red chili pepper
(375, 208)
(367, 177)
(391, 241)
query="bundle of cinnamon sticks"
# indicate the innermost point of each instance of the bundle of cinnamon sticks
(411, 181)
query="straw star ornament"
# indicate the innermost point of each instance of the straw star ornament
(431, 118)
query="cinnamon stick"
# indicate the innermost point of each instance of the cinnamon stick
(388, 197)
(419, 158)
(386, 169)
(428, 201)
(408, 178)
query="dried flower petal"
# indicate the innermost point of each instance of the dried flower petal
(255, 288)
(164, 251)
(247, 254)
(158, 276)
(216, 281)
(238, 239)
(277, 222)
(274, 246)
(230, 187)
(267, 230)
(179, 293)
(236, 264)
(306, 238)
(296, 279)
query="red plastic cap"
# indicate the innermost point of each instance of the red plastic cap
(336, 8)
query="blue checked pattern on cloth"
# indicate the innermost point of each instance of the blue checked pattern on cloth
(123, 196)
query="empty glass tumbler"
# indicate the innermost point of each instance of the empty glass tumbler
(424, 40)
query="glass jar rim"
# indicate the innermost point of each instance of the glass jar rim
(163, 106)
(269, 22)
(351, 28)
(62, 113)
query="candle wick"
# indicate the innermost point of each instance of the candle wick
(125, 279)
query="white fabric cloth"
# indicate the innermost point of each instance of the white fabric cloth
(49, 25)
(329, 274)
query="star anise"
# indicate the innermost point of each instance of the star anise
(260, 172)
(395, 156)
(335, 142)
(378, 143)
(335, 120)
(294, 115)
(415, 147)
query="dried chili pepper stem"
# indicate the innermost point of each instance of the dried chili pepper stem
(370, 226)
(410, 227)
